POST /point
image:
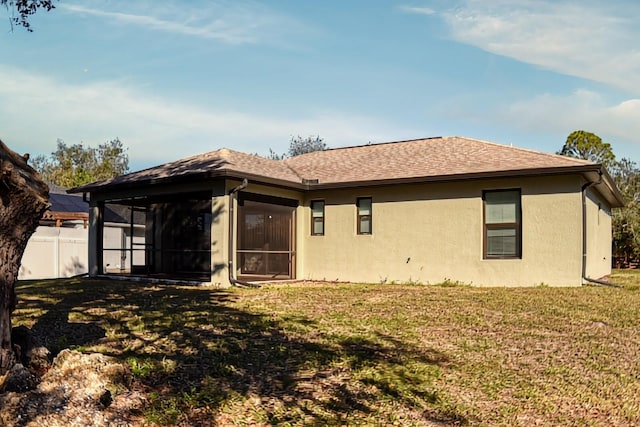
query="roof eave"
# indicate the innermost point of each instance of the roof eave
(208, 175)
(460, 177)
(607, 187)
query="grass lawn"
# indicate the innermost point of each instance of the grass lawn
(356, 353)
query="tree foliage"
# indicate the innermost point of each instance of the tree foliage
(626, 174)
(275, 156)
(299, 145)
(73, 165)
(22, 10)
(626, 221)
(588, 146)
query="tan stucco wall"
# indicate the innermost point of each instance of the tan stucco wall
(220, 240)
(93, 239)
(599, 238)
(432, 232)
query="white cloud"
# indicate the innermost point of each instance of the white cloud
(581, 109)
(232, 23)
(36, 110)
(587, 39)
(418, 10)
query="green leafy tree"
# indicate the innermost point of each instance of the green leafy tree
(73, 165)
(588, 146)
(22, 10)
(626, 221)
(626, 173)
(299, 145)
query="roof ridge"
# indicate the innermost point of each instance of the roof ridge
(371, 144)
(528, 150)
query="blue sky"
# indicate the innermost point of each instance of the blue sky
(175, 78)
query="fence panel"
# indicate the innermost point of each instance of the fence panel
(55, 252)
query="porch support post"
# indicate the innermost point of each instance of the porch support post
(220, 240)
(95, 239)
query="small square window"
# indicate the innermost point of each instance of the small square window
(364, 215)
(317, 217)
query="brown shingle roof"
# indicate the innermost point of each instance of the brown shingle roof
(211, 164)
(441, 157)
(431, 157)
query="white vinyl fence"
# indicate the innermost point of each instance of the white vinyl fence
(55, 252)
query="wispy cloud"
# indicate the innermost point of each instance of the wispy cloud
(232, 23)
(588, 39)
(156, 129)
(418, 10)
(582, 109)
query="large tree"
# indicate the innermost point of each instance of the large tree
(23, 200)
(589, 146)
(626, 221)
(22, 10)
(77, 164)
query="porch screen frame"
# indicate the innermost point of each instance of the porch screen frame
(260, 253)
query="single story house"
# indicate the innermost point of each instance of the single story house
(425, 210)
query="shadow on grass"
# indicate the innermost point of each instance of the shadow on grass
(196, 353)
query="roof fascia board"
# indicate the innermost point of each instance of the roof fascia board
(146, 190)
(606, 187)
(461, 177)
(171, 184)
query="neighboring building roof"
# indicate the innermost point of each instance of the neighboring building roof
(62, 202)
(65, 207)
(430, 159)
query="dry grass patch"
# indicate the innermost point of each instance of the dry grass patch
(357, 353)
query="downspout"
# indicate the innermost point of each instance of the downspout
(584, 234)
(233, 195)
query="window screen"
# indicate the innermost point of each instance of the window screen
(364, 215)
(317, 217)
(502, 225)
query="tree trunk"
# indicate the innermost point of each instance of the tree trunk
(23, 200)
